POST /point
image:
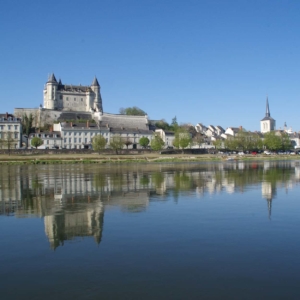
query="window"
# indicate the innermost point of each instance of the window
(67, 98)
(74, 99)
(81, 99)
(47, 142)
(85, 140)
(75, 140)
(2, 127)
(79, 140)
(65, 140)
(60, 97)
(16, 127)
(69, 140)
(9, 127)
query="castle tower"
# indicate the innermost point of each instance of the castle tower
(97, 105)
(267, 124)
(50, 93)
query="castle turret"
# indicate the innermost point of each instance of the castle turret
(97, 105)
(50, 93)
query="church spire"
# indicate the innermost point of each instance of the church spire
(267, 109)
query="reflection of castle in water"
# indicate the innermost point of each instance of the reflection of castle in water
(72, 198)
(73, 222)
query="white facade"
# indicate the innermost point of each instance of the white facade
(58, 96)
(10, 131)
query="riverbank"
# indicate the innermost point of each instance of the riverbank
(95, 158)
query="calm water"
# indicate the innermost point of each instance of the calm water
(167, 231)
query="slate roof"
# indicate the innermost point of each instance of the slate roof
(64, 116)
(52, 78)
(124, 121)
(95, 82)
(267, 119)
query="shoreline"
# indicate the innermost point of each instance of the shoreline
(142, 158)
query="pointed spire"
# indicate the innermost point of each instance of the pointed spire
(267, 108)
(52, 78)
(95, 82)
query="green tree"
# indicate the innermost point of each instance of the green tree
(157, 143)
(98, 142)
(218, 144)
(272, 141)
(127, 142)
(286, 141)
(182, 138)
(36, 142)
(230, 143)
(144, 141)
(198, 139)
(116, 143)
(27, 122)
(162, 124)
(174, 123)
(133, 111)
(7, 142)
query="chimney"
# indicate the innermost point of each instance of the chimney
(241, 128)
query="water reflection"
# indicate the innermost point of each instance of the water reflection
(72, 199)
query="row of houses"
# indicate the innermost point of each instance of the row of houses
(213, 133)
(79, 135)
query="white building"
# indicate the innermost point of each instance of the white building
(10, 131)
(267, 124)
(60, 96)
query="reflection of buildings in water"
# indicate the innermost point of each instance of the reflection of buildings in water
(241, 165)
(10, 189)
(129, 202)
(43, 190)
(73, 221)
(267, 165)
(268, 192)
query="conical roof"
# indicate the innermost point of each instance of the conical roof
(52, 78)
(95, 82)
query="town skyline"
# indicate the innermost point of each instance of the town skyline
(203, 62)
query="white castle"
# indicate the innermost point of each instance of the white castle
(63, 97)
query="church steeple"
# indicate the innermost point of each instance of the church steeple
(267, 124)
(267, 109)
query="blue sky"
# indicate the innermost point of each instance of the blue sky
(210, 61)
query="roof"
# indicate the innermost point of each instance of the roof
(220, 127)
(124, 121)
(130, 130)
(52, 78)
(95, 82)
(80, 125)
(46, 133)
(75, 116)
(73, 88)
(267, 119)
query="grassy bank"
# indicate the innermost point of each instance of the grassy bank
(96, 158)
